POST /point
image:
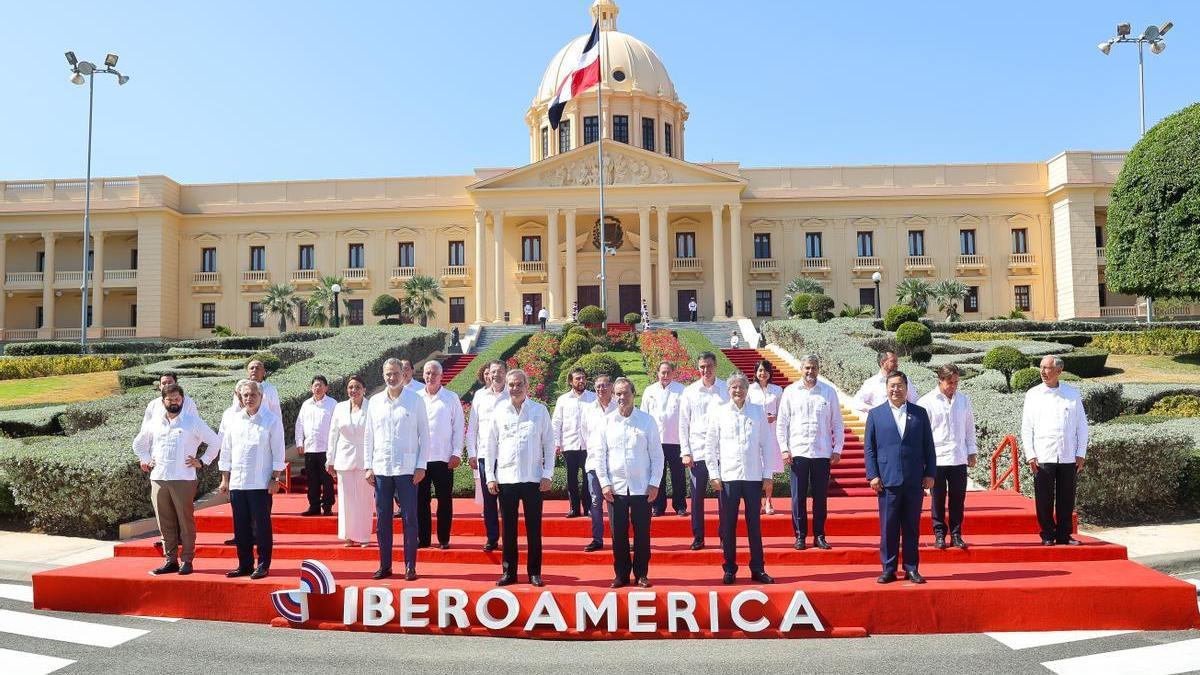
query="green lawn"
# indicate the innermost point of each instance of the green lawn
(1184, 369)
(635, 370)
(59, 388)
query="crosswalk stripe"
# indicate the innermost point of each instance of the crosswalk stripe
(1194, 582)
(1165, 659)
(19, 592)
(65, 630)
(24, 663)
(1026, 640)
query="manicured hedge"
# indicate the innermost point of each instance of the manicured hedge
(1140, 398)
(1085, 362)
(34, 420)
(1029, 326)
(696, 344)
(24, 367)
(1132, 473)
(1158, 341)
(899, 315)
(465, 383)
(53, 347)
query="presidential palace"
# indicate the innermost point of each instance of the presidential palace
(173, 260)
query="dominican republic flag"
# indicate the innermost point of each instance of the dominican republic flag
(585, 75)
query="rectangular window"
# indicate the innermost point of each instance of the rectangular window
(866, 244)
(458, 254)
(308, 258)
(564, 136)
(256, 315)
(685, 244)
(762, 303)
(812, 245)
(40, 319)
(358, 257)
(133, 315)
(591, 129)
(531, 249)
(458, 310)
(208, 260)
(1103, 295)
(1020, 240)
(302, 314)
(966, 242)
(545, 142)
(648, 133)
(258, 258)
(1021, 298)
(621, 128)
(762, 246)
(356, 312)
(916, 243)
(667, 140)
(41, 261)
(91, 261)
(133, 258)
(208, 315)
(1099, 236)
(407, 254)
(89, 315)
(971, 302)
(866, 297)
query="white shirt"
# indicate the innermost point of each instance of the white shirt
(397, 442)
(1054, 425)
(543, 313)
(768, 398)
(692, 306)
(900, 415)
(479, 423)
(270, 398)
(630, 457)
(520, 444)
(252, 448)
(445, 414)
(810, 421)
(693, 427)
(414, 385)
(156, 408)
(166, 444)
(594, 419)
(568, 420)
(873, 392)
(953, 423)
(663, 405)
(312, 424)
(738, 443)
(347, 438)
(528, 310)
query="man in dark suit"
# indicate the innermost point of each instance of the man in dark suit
(901, 463)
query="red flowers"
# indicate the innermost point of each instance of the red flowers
(535, 358)
(662, 345)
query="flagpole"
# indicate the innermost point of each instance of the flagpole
(600, 164)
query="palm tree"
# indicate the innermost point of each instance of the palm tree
(320, 303)
(858, 312)
(800, 285)
(915, 293)
(420, 292)
(948, 293)
(281, 301)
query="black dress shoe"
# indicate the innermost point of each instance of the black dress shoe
(819, 542)
(410, 574)
(311, 512)
(886, 578)
(593, 545)
(1071, 542)
(397, 515)
(939, 543)
(425, 545)
(1047, 542)
(727, 579)
(915, 577)
(619, 583)
(382, 573)
(239, 572)
(167, 568)
(957, 542)
(230, 542)
(443, 546)
(799, 545)
(260, 572)
(762, 577)
(506, 580)
(697, 544)
(536, 580)
(572, 513)
(656, 513)
(489, 546)
(643, 582)
(681, 512)
(185, 569)
(328, 511)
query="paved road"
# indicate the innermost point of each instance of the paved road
(41, 642)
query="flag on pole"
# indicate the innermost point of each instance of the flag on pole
(584, 76)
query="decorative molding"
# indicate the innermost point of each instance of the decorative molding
(406, 232)
(1021, 220)
(917, 221)
(619, 169)
(207, 238)
(968, 220)
(866, 222)
(304, 234)
(531, 228)
(813, 222)
(256, 236)
(355, 235)
(760, 224)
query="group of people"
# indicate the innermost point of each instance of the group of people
(402, 445)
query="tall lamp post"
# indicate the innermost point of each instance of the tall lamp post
(1153, 36)
(81, 71)
(337, 315)
(877, 277)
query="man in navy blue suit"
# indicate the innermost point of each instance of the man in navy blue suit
(901, 463)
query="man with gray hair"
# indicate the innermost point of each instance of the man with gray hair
(256, 371)
(1055, 435)
(446, 428)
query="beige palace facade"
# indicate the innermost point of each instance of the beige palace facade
(173, 260)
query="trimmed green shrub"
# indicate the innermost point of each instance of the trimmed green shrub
(576, 344)
(633, 318)
(921, 356)
(899, 315)
(39, 420)
(913, 334)
(983, 336)
(595, 364)
(50, 348)
(387, 305)
(1028, 326)
(269, 360)
(1073, 339)
(1179, 405)
(1157, 341)
(24, 367)
(1005, 359)
(821, 307)
(1085, 362)
(1132, 473)
(1026, 379)
(592, 314)
(799, 308)
(696, 344)
(597, 349)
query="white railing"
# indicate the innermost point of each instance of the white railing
(918, 262)
(531, 267)
(1190, 309)
(866, 263)
(305, 276)
(69, 277)
(206, 279)
(972, 261)
(66, 333)
(24, 278)
(454, 271)
(764, 265)
(404, 272)
(686, 265)
(21, 334)
(1021, 259)
(816, 264)
(255, 277)
(355, 274)
(120, 333)
(1124, 311)
(120, 275)
(1102, 255)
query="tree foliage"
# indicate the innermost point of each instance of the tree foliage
(386, 305)
(899, 314)
(947, 293)
(420, 292)
(281, 301)
(915, 293)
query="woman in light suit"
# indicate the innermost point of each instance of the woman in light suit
(347, 433)
(763, 393)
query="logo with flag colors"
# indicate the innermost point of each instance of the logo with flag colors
(316, 578)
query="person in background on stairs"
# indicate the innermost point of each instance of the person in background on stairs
(256, 371)
(811, 435)
(734, 340)
(953, 420)
(483, 404)
(312, 443)
(569, 441)
(692, 309)
(763, 393)
(446, 424)
(346, 460)
(699, 399)
(156, 408)
(543, 317)
(1055, 435)
(873, 392)
(661, 401)
(595, 416)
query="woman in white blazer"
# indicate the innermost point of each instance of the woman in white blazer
(347, 433)
(763, 393)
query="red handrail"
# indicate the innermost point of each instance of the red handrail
(1009, 442)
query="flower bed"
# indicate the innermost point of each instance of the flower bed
(537, 358)
(661, 345)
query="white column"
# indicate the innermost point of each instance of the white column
(572, 294)
(498, 277)
(735, 252)
(97, 278)
(553, 273)
(664, 267)
(3, 269)
(480, 276)
(47, 331)
(718, 275)
(644, 259)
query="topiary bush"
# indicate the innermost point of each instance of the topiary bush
(821, 307)
(913, 334)
(576, 344)
(799, 309)
(1005, 359)
(1085, 362)
(899, 315)
(597, 349)
(1026, 379)
(921, 356)
(633, 318)
(387, 305)
(595, 364)
(1178, 405)
(592, 314)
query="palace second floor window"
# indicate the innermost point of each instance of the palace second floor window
(685, 244)
(208, 260)
(256, 315)
(591, 129)
(358, 257)
(1021, 298)
(208, 315)
(458, 310)
(545, 142)
(667, 140)
(812, 245)
(564, 136)
(621, 128)
(648, 133)
(258, 258)
(866, 244)
(966, 242)
(762, 246)
(458, 254)
(1020, 241)
(531, 249)
(916, 243)
(408, 254)
(308, 258)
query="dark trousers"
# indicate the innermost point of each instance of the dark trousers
(673, 467)
(899, 516)
(491, 507)
(733, 493)
(404, 492)
(626, 510)
(528, 497)
(699, 492)
(596, 507)
(577, 484)
(692, 314)
(437, 475)
(1054, 498)
(252, 526)
(809, 476)
(952, 481)
(320, 483)
(543, 322)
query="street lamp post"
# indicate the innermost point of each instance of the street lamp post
(877, 277)
(337, 315)
(80, 70)
(1153, 36)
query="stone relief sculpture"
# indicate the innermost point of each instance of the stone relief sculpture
(619, 169)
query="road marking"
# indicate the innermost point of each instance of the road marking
(66, 630)
(1194, 582)
(24, 663)
(19, 592)
(1026, 640)
(168, 619)
(1166, 659)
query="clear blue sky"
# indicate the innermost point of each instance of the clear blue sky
(237, 91)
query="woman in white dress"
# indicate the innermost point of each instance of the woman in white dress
(356, 497)
(763, 393)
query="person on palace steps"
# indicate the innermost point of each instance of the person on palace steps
(953, 420)
(661, 400)
(156, 408)
(1055, 435)
(699, 399)
(445, 454)
(873, 392)
(569, 440)
(811, 434)
(312, 442)
(479, 425)
(901, 463)
(256, 371)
